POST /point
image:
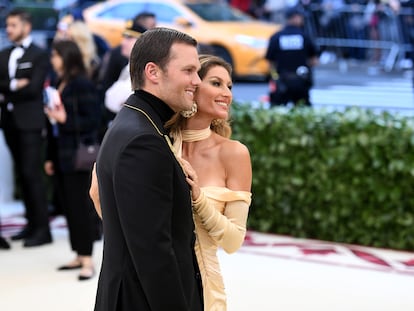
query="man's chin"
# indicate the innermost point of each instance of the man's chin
(189, 106)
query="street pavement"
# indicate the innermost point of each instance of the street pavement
(361, 85)
(269, 273)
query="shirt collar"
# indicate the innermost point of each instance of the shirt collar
(25, 43)
(160, 107)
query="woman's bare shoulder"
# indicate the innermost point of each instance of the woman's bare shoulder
(235, 158)
(234, 149)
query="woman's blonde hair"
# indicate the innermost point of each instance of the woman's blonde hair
(80, 33)
(219, 126)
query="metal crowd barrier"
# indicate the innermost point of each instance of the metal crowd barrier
(372, 32)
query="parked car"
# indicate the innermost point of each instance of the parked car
(229, 33)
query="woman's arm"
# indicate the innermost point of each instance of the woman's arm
(228, 229)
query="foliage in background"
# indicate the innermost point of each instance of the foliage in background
(338, 176)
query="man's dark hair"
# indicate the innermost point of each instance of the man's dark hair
(154, 45)
(22, 14)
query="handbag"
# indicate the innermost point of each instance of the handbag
(85, 156)
(86, 150)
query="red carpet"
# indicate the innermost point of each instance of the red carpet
(271, 245)
(324, 252)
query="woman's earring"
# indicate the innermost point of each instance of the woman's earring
(189, 113)
(216, 122)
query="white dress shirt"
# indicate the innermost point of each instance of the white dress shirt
(15, 55)
(119, 92)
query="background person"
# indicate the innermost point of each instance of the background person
(115, 61)
(23, 69)
(79, 32)
(115, 66)
(117, 94)
(291, 54)
(77, 119)
(149, 261)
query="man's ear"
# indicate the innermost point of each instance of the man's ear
(27, 27)
(152, 71)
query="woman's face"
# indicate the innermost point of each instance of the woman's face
(57, 63)
(214, 96)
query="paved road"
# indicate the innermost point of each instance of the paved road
(269, 273)
(359, 86)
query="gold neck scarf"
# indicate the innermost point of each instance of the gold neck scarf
(189, 136)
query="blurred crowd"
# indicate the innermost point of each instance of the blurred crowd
(352, 29)
(362, 30)
(54, 101)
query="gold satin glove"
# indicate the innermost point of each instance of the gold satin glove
(228, 230)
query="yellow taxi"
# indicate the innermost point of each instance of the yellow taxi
(229, 33)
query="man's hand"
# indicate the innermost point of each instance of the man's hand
(21, 83)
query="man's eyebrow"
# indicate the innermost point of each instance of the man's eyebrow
(192, 67)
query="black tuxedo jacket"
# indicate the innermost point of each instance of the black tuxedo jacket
(28, 101)
(149, 261)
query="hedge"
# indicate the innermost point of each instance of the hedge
(344, 176)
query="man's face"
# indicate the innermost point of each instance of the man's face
(299, 20)
(149, 22)
(16, 29)
(179, 80)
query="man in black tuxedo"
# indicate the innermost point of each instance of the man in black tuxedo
(23, 69)
(149, 261)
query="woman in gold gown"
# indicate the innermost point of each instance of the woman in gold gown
(219, 173)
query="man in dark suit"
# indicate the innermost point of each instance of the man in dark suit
(23, 69)
(149, 261)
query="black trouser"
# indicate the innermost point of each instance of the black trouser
(26, 147)
(81, 217)
(293, 89)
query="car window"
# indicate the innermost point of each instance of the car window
(217, 12)
(165, 13)
(123, 11)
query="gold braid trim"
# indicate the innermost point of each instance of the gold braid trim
(159, 132)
